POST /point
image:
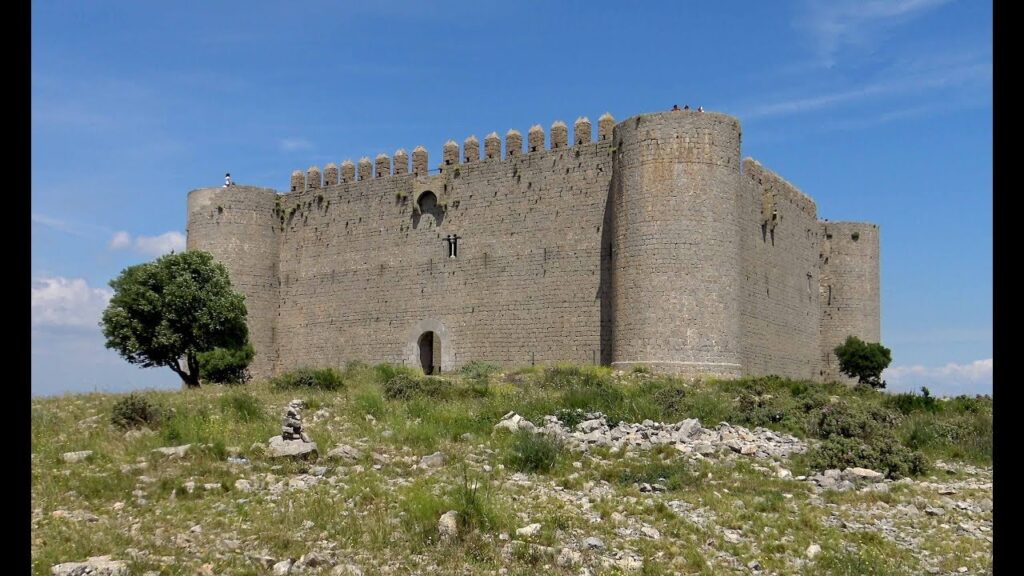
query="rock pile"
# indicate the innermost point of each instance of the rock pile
(688, 436)
(293, 441)
(291, 425)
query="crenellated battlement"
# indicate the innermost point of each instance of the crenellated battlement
(382, 167)
(646, 241)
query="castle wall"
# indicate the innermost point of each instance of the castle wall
(849, 290)
(237, 226)
(363, 275)
(779, 290)
(675, 264)
(649, 246)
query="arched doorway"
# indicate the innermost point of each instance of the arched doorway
(430, 352)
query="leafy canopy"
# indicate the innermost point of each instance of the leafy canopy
(178, 306)
(863, 360)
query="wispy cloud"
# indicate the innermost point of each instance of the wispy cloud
(950, 380)
(68, 227)
(295, 143)
(149, 245)
(67, 302)
(897, 83)
(836, 24)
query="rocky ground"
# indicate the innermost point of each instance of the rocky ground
(644, 498)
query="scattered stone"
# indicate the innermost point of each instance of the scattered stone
(72, 457)
(854, 474)
(94, 566)
(243, 485)
(732, 536)
(754, 566)
(345, 452)
(174, 451)
(282, 567)
(311, 560)
(567, 557)
(651, 532)
(812, 551)
(528, 531)
(933, 511)
(435, 460)
(346, 570)
(448, 526)
(594, 543)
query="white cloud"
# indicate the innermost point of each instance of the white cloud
(121, 240)
(149, 245)
(59, 301)
(949, 380)
(838, 23)
(292, 144)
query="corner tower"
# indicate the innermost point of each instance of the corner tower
(675, 244)
(849, 289)
(239, 226)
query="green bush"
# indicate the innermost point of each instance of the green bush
(477, 370)
(908, 403)
(760, 410)
(883, 453)
(845, 420)
(226, 365)
(318, 378)
(403, 386)
(864, 361)
(532, 452)
(243, 406)
(385, 372)
(136, 411)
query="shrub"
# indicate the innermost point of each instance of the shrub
(243, 406)
(385, 371)
(845, 420)
(135, 411)
(759, 410)
(532, 452)
(863, 360)
(319, 378)
(477, 370)
(909, 403)
(226, 365)
(883, 453)
(404, 386)
(570, 417)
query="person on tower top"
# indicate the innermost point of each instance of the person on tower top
(227, 180)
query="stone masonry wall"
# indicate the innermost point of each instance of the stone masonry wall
(849, 289)
(779, 296)
(237, 226)
(649, 246)
(364, 274)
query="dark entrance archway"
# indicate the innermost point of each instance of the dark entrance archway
(430, 353)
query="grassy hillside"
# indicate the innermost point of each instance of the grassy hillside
(223, 507)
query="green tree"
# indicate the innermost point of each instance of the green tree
(226, 365)
(174, 309)
(863, 360)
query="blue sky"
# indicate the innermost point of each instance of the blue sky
(880, 111)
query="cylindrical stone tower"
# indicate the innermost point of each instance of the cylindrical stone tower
(675, 254)
(237, 225)
(849, 290)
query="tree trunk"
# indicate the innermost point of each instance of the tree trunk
(189, 379)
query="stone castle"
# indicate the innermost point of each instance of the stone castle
(652, 244)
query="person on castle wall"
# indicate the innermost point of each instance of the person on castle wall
(675, 107)
(686, 107)
(227, 180)
(700, 108)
